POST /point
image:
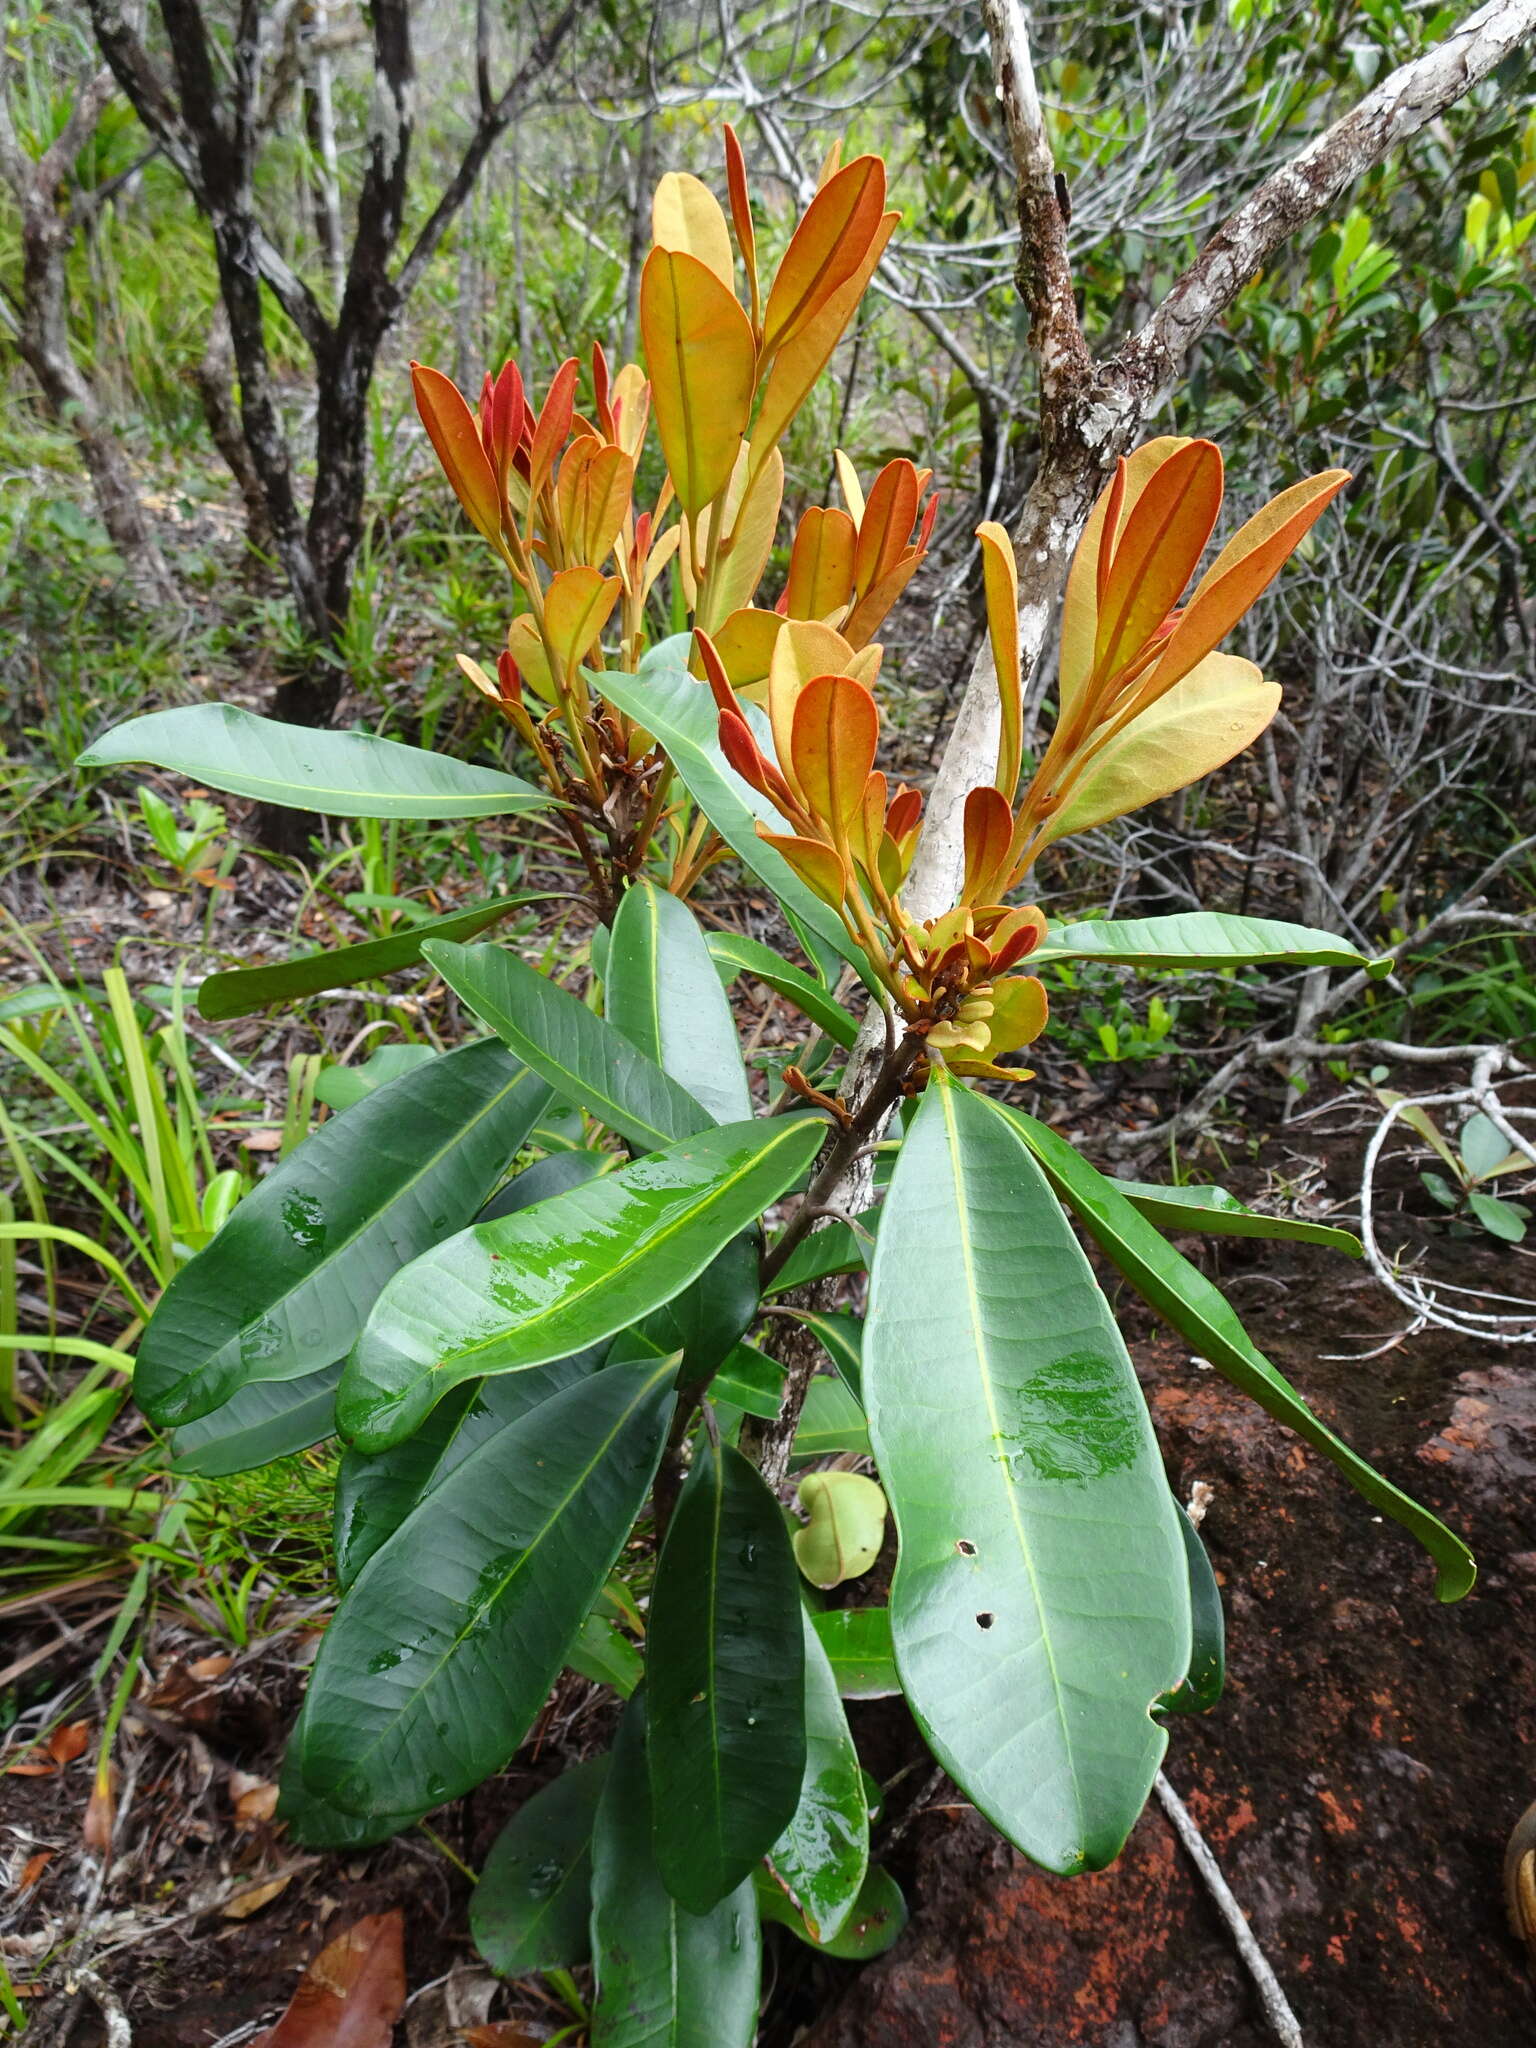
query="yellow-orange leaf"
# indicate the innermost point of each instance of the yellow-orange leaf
(741, 215)
(1161, 541)
(821, 564)
(703, 364)
(630, 401)
(867, 832)
(455, 435)
(803, 649)
(745, 645)
(576, 608)
(686, 215)
(592, 495)
(819, 867)
(1000, 575)
(988, 836)
(552, 426)
(868, 614)
(801, 357)
(1218, 709)
(1020, 1010)
(1240, 574)
(832, 746)
(1080, 608)
(826, 249)
(527, 650)
(750, 523)
(885, 526)
(848, 483)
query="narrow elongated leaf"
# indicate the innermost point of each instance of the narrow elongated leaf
(1041, 1599)
(374, 1495)
(239, 991)
(502, 1296)
(532, 1908)
(831, 1421)
(605, 1656)
(285, 1286)
(1201, 938)
(734, 950)
(1215, 1213)
(662, 992)
(1202, 1685)
(750, 1380)
(584, 1060)
(706, 1319)
(666, 1978)
(842, 1338)
(307, 768)
(665, 699)
(858, 1644)
(555, 1175)
(725, 1693)
(875, 1924)
(440, 1656)
(268, 1420)
(834, 1248)
(1182, 1295)
(821, 1859)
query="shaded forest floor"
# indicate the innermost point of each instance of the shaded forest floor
(1357, 1782)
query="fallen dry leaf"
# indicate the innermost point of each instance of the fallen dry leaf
(101, 1810)
(65, 1744)
(262, 1141)
(33, 1869)
(245, 1903)
(32, 1767)
(500, 2034)
(255, 1803)
(351, 1994)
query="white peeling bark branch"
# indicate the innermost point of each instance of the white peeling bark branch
(1092, 412)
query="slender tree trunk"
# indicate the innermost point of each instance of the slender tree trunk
(213, 379)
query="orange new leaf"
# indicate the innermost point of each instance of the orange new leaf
(1000, 575)
(1090, 564)
(741, 217)
(552, 426)
(1241, 573)
(800, 360)
(819, 867)
(703, 364)
(835, 731)
(686, 215)
(577, 605)
(988, 837)
(885, 525)
(454, 434)
(826, 250)
(821, 564)
(592, 494)
(1161, 541)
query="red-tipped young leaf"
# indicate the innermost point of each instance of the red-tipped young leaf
(454, 434)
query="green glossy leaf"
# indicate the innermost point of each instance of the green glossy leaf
(314, 1824)
(239, 991)
(844, 1527)
(502, 1296)
(267, 1420)
(440, 1656)
(725, 1681)
(842, 1338)
(1041, 1600)
(340, 1087)
(584, 1060)
(532, 1908)
(1202, 1685)
(308, 768)
(374, 1495)
(858, 1644)
(750, 1380)
(666, 701)
(1202, 938)
(734, 950)
(555, 1175)
(879, 1915)
(1499, 1218)
(1215, 1213)
(1181, 1294)
(821, 1859)
(606, 1656)
(831, 1421)
(834, 1248)
(666, 1978)
(706, 1319)
(285, 1286)
(661, 990)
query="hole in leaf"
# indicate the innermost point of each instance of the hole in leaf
(985, 1620)
(966, 1547)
